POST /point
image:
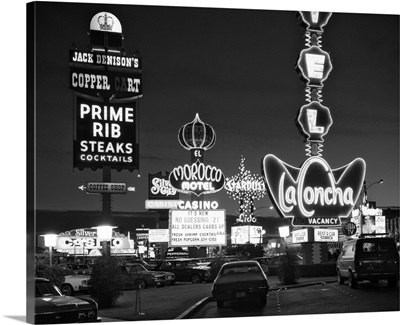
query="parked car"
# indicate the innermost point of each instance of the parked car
(52, 307)
(216, 263)
(75, 283)
(185, 270)
(139, 277)
(165, 277)
(370, 259)
(243, 280)
(263, 261)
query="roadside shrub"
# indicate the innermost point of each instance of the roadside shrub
(288, 268)
(107, 283)
(54, 273)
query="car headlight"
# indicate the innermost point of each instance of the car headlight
(158, 277)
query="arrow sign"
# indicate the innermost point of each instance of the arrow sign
(102, 187)
(82, 188)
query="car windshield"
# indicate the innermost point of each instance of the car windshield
(44, 288)
(239, 269)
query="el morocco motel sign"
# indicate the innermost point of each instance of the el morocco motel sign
(314, 194)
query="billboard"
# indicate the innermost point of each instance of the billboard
(105, 134)
(158, 235)
(197, 228)
(244, 234)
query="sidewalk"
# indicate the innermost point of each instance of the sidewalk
(275, 284)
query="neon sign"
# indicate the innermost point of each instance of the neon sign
(197, 178)
(106, 135)
(314, 66)
(314, 20)
(313, 121)
(313, 194)
(160, 187)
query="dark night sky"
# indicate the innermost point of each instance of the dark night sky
(233, 67)
(236, 69)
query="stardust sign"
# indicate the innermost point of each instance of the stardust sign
(106, 134)
(197, 178)
(314, 194)
(197, 228)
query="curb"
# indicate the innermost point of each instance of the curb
(189, 312)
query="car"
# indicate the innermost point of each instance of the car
(373, 259)
(138, 277)
(165, 277)
(216, 263)
(238, 281)
(185, 270)
(263, 261)
(75, 283)
(51, 306)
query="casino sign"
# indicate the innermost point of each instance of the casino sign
(314, 194)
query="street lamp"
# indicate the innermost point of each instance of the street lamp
(50, 241)
(366, 188)
(104, 235)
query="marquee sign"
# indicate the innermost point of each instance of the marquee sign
(197, 228)
(158, 235)
(86, 238)
(314, 194)
(320, 235)
(197, 178)
(106, 134)
(300, 236)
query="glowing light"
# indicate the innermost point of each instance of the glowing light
(245, 188)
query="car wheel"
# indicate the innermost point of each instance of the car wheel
(263, 301)
(196, 278)
(352, 281)
(340, 278)
(392, 282)
(67, 290)
(141, 283)
(220, 303)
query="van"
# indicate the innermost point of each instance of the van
(370, 259)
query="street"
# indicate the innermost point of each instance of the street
(316, 299)
(169, 302)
